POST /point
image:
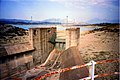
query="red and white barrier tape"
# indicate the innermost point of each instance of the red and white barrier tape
(100, 75)
(74, 67)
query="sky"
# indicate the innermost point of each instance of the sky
(78, 10)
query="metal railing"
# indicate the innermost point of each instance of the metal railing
(91, 65)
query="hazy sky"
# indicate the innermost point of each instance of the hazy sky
(80, 10)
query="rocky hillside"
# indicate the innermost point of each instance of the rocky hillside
(9, 33)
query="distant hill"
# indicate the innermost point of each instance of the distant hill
(54, 20)
(13, 21)
(19, 21)
(46, 21)
(96, 20)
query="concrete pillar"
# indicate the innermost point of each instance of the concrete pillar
(15, 59)
(31, 36)
(62, 45)
(39, 38)
(72, 37)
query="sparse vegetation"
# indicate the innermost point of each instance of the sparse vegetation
(9, 30)
(9, 34)
(104, 55)
(104, 68)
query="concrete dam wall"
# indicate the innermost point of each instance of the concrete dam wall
(33, 51)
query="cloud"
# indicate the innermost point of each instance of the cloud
(85, 3)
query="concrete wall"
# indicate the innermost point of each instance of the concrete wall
(69, 58)
(72, 37)
(42, 39)
(15, 64)
(39, 38)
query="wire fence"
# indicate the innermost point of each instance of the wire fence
(91, 65)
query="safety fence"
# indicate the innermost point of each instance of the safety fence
(91, 65)
(14, 76)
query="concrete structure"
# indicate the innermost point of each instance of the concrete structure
(69, 58)
(36, 50)
(72, 37)
(15, 58)
(19, 57)
(60, 44)
(43, 40)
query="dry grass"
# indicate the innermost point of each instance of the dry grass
(101, 46)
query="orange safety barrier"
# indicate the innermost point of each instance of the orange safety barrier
(101, 75)
(76, 67)
(106, 74)
(13, 76)
(104, 61)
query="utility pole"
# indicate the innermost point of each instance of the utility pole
(31, 18)
(67, 20)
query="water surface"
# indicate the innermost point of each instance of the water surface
(59, 27)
